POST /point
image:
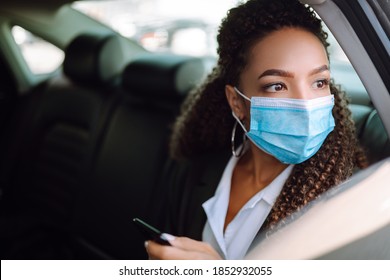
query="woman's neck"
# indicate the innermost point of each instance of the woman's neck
(254, 171)
(262, 167)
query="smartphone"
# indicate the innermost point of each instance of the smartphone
(150, 232)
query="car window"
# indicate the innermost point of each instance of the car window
(344, 74)
(41, 56)
(184, 27)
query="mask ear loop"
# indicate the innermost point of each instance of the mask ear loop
(234, 153)
(237, 154)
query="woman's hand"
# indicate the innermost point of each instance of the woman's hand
(182, 248)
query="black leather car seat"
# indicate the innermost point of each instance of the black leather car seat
(133, 152)
(374, 138)
(53, 148)
(94, 60)
(371, 132)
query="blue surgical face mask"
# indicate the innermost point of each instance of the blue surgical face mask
(291, 130)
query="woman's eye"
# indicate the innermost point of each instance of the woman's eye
(275, 87)
(320, 84)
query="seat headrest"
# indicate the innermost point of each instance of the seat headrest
(164, 75)
(94, 59)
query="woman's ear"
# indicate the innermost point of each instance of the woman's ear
(235, 102)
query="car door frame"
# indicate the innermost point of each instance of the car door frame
(359, 32)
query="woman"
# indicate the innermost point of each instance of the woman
(272, 80)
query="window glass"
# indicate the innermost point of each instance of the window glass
(41, 56)
(343, 73)
(185, 27)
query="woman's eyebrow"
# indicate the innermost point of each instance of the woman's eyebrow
(283, 73)
(276, 72)
(319, 70)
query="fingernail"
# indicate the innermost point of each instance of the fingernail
(168, 237)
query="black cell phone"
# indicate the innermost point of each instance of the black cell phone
(150, 232)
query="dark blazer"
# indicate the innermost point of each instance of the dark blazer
(185, 186)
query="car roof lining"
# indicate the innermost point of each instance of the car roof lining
(358, 56)
(312, 2)
(36, 3)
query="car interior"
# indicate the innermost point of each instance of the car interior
(83, 138)
(82, 151)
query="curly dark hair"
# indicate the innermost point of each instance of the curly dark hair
(206, 122)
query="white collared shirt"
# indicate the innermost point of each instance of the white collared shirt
(240, 232)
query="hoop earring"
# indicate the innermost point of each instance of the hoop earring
(233, 142)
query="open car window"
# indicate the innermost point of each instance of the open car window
(183, 27)
(40, 56)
